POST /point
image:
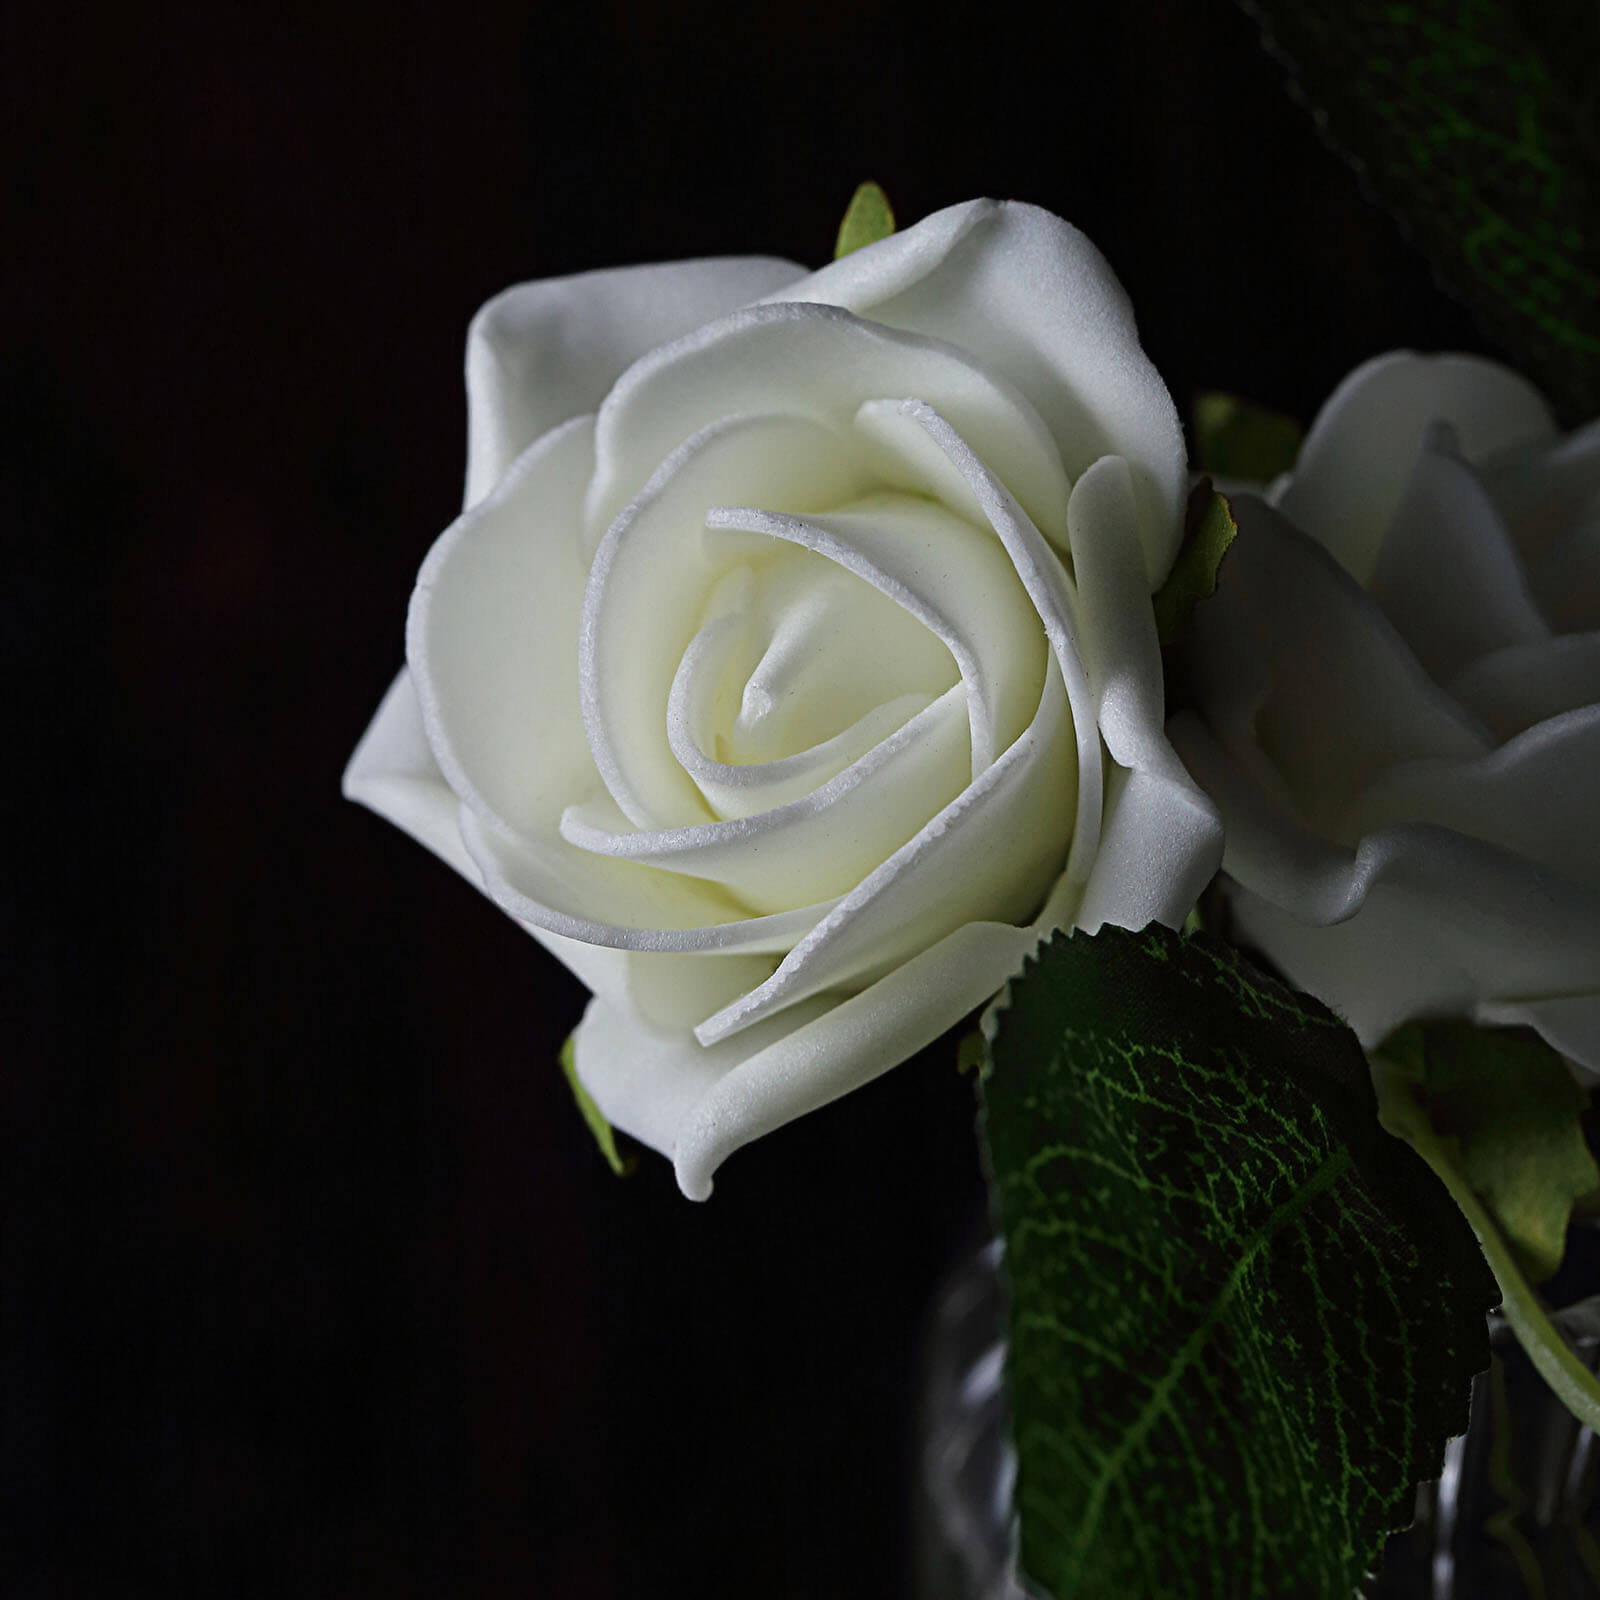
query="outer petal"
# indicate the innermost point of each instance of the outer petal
(1161, 840)
(1448, 575)
(1358, 457)
(1416, 921)
(394, 774)
(699, 1104)
(1304, 679)
(492, 640)
(543, 352)
(1033, 300)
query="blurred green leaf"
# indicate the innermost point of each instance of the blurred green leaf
(1513, 1112)
(867, 219)
(1235, 439)
(1474, 122)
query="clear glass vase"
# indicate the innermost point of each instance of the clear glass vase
(1515, 1512)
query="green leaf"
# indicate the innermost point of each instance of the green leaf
(1235, 439)
(604, 1134)
(867, 219)
(1513, 1111)
(1209, 531)
(1569, 1380)
(1474, 123)
(1244, 1319)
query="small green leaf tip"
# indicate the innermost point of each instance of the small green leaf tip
(604, 1135)
(1244, 1320)
(1209, 531)
(867, 219)
(1235, 439)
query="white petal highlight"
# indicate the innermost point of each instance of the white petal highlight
(816, 1059)
(953, 577)
(821, 363)
(394, 774)
(650, 580)
(541, 353)
(819, 846)
(1043, 307)
(492, 640)
(1160, 839)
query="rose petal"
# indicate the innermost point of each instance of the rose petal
(1537, 795)
(1448, 575)
(1358, 456)
(547, 883)
(394, 774)
(541, 353)
(1543, 488)
(821, 363)
(956, 579)
(699, 1103)
(1160, 839)
(1566, 577)
(1514, 688)
(1305, 680)
(822, 844)
(648, 1081)
(1345, 923)
(650, 581)
(953, 871)
(750, 788)
(492, 640)
(1035, 301)
(966, 865)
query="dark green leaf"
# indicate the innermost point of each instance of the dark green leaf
(1235, 439)
(1474, 122)
(1244, 1319)
(1513, 1111)
(1207, 535)
(867, 219)
(604, 1134)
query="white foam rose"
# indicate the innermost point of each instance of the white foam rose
(1399, 687)
(792, 668)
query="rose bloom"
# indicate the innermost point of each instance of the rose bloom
(1399, 707)
(792, 669)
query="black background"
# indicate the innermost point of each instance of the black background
(313, 1282)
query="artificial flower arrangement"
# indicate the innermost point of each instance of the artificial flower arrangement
(824, 659)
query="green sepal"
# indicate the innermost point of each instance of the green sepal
(1243, 1318)
(1235, 439)
(1209, 529)
(867, 219)
(605, 1135)
(1509, 1111)
(972, 1052)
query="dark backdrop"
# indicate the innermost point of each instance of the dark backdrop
(313, 1282)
